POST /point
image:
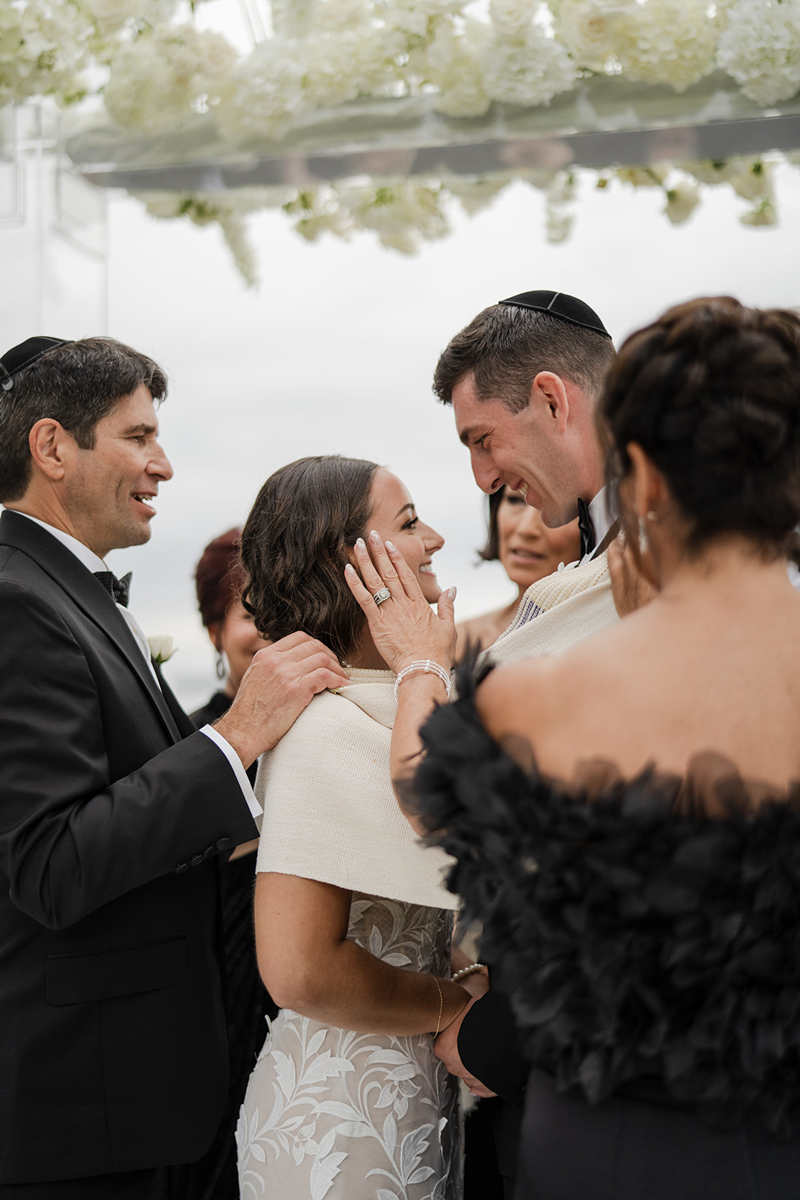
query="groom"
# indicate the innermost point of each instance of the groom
(523, 379)
(113, 810)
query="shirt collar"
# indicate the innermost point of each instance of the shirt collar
(88, 557)
(602, 517)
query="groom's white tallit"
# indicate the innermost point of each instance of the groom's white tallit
(558, 611)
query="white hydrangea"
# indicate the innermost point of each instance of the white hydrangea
(341, 66)
(264, 93)
(528, 71)
(666, 41)
(452, 63)
(590, 28)
(43, 47)
(155, 80)
(338, 15)
(512, 18)
(760, 48)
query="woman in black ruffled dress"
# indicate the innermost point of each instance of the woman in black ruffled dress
(626, 816)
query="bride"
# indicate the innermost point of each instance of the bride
(353, 923)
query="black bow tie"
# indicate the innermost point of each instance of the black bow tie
(586, 528)
(117, 589)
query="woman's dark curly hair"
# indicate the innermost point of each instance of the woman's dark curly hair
(711, 393)
(294, 550)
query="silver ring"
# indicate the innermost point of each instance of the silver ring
(381, 595)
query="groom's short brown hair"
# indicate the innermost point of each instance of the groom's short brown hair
(504, 348)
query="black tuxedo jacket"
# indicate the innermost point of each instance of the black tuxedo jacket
(490, 1047)
(112, 810)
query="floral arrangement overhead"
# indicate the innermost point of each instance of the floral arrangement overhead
(156, 68)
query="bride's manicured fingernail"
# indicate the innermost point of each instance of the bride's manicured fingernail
(452, 592)
(362, 545)
(374, 537)
(391, 546)
(349, 570)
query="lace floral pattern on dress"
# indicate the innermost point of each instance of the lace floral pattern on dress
(331, 1114)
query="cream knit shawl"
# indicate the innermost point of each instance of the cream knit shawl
(556, 612)
(329, 809)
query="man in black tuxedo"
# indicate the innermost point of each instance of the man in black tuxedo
(113, 809)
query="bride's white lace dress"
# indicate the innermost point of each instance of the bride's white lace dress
(339, 1115)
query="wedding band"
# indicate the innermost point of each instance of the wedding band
(381, 595)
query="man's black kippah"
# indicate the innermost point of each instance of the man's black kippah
(559, 304)
(27, 352)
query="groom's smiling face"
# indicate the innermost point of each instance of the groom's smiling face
(521, 450)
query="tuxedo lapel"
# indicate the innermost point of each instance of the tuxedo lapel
(90, 596)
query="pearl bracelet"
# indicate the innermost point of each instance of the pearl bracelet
(428, 666)
(472, 969)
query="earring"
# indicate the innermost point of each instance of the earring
(651, 515)
(644, 542)
(220, 665)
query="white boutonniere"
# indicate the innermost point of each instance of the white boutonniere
(162, 648)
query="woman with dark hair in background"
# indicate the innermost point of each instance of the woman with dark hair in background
(353, 923)
(219, 576)
(527, 550)
(626, 815)
(218, 579)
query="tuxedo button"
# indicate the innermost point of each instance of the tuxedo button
(181, 867)
(224, 843)
(195, 860)
(209, 850)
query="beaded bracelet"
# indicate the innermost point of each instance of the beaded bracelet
(472, 969)
(428, 666)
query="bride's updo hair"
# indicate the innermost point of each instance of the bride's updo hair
(711, 393)
(294, 550)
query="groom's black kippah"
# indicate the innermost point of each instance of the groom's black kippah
(27, 352)
(559, 304)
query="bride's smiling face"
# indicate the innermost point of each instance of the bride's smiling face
(394, 517)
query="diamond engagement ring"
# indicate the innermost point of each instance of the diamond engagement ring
(381, 595)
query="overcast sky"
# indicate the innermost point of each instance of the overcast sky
(334, 353)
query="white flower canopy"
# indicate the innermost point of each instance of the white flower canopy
(379, 114)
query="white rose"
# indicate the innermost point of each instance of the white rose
(511, 18)
(588, 28)
(215, 55)
(162, 647)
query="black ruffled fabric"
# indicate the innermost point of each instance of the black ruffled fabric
(642, 942)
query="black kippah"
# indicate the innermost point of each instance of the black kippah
(27, 352)
(559, 304)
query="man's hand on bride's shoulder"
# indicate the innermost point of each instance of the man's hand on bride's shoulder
(404, 626)
(279, 683)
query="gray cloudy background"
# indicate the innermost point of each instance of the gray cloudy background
(334, 353)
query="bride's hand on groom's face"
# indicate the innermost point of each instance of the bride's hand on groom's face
(405, 627)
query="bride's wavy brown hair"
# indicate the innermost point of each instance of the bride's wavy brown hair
(294, 550)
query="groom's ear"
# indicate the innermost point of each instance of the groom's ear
(51, 448)
(549, 392)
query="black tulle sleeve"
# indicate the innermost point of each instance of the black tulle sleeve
(637, 944)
